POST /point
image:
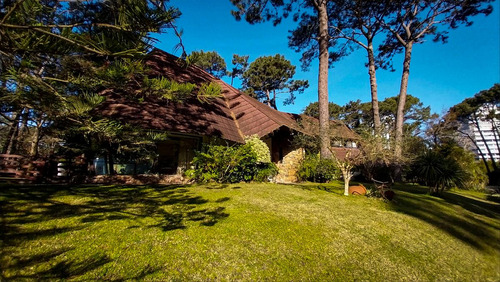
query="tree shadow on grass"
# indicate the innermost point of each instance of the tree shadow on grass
(25, 213)
(476, 224)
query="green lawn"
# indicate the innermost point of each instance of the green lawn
(246, 232)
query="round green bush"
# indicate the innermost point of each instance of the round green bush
(260, 148)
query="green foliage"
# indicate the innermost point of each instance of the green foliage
(224, 164)
(260, 148)
(231, 164)
(437, 171)
(210, 61)
(334, 110)
(319, 170)
(358, 115)
(166, 88)
(483, 107)
(270, 75)
(57, 54)
(474, 178)
(240, 65)
(266, 171)
(209, 91)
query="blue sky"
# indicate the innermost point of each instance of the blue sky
(441, 75)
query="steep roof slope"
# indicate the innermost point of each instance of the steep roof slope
(232, 116)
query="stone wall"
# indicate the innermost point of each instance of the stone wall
(289, 166)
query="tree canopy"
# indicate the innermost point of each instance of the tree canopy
(240, 65)
(269, 76)
(311, 37)
(56, 56)
(210, 61)
(357, 115)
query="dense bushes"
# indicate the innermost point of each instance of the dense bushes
(448, 166)
(231, 164)
(436, 171)
(314, 169)
(260, 148)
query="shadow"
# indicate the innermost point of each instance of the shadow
(473, 205)
(71, 269)
(470, 226)
(26, 213)
(493, 198)
(321, 187)
(65, 269)
(222, 200)
(217, 186)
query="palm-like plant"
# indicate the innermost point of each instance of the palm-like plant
(437, 171)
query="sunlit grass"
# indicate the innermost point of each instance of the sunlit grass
(246, 232)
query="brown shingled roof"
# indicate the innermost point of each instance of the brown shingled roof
(232, 116)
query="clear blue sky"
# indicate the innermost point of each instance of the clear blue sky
(441, 75)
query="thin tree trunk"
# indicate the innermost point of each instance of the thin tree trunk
(373, 88)
(268, 95)
(324, 117)
(273, 101)
(347, 178)
(476, 123)
(479, 149)
(494, 129)
(398, 146)
(12, 129)
(111, 164)
(23, 128)
(346, 187)
(10, 141)
(36, 138)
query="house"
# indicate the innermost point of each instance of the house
(228, 118)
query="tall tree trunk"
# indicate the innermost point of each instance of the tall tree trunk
(398, 146)
(476, 123)
(111, 164)
(268, 95)
(373, 88)
(36, 138)
(10, 140)
(324, 117)
(273, 101)
(21, 136)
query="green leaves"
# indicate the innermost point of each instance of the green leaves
(269, 76)
(166, 88)
(224, 164)
(209, 91)
(210, 61)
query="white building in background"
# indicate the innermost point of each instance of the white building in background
(485, 134)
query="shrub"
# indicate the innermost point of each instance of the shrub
(265, 172)
(232, 164)
(260, 148)
(314, 169)
(224, 164)
(474, 178)
(437, 171)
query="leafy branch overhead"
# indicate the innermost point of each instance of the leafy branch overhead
(55, 56)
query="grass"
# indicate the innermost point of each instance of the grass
(245, 232)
